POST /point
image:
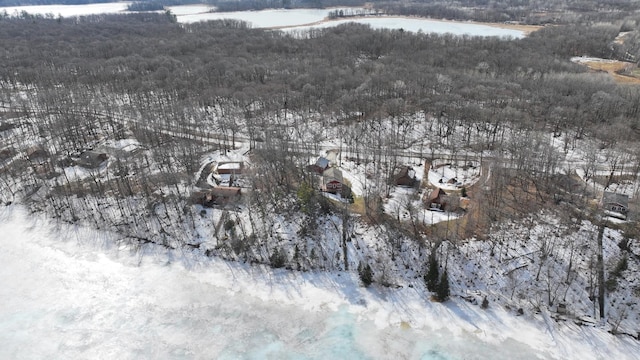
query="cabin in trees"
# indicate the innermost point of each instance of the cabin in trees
(216, 196)
(320, 165)
(227, 173)
(436, 199)
(40, 162)
(405, 177)
(614, 204)
(92, 159)
(332, 180)
(229, 168)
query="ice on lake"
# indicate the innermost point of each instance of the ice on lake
(289, 19)
(69, 10)
(69, 292)
(423, 25)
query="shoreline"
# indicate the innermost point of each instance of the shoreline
(107, 277)
(526, 29)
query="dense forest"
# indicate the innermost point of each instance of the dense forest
(183, 91)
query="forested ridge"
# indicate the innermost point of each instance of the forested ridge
(349, 68)
(183, 91)
(146, 66)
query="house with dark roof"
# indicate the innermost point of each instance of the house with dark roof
(91, 159)
(437, 199)
(405, 177)
(320, 165)
(614, 204)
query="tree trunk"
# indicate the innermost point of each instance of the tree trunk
(601, 293)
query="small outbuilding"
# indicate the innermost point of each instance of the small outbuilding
(320, 165)
(332, 180)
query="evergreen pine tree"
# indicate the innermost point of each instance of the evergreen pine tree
(366, 274)
(442, 293)
(485, 303)
(296, 257)
(277, 258)
(433, 274)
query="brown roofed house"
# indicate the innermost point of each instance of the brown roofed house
(406, 176)
(437, 199)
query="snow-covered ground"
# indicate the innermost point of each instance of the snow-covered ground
(406, 204)
(71, 292)
(109, 300)
(587, 59)
(452, 176)
(123, 144)
(630, 188)
(77, 173)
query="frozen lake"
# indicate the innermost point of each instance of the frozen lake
(72, 293)
(261, 19)
(69, 10)
(294, 19)
(423, 25)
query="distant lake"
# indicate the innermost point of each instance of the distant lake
(259, 19)
(287, 19)
(69, 10)
(423, 25)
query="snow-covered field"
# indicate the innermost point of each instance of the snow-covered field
(70, 292)
(454, 176)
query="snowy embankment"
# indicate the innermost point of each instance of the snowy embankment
(72, 292)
